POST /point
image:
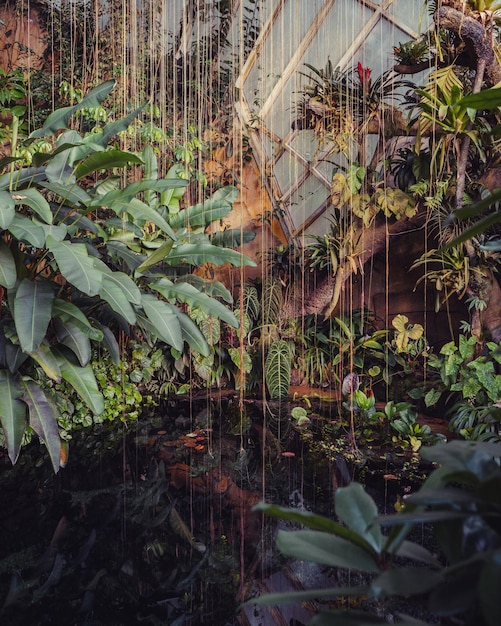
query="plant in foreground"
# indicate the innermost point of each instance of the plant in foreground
(461, 501)
(68, 281)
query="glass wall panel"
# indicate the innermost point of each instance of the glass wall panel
(411, 13)
(283, 40)
(287, 171)
(306, 200)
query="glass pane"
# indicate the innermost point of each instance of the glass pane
(306, 144)
(411, 13)
(286, 171)
(305, 200)
(345, 19)
(283, 40)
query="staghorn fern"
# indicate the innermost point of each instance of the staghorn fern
(278, 369)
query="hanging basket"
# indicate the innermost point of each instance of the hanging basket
(401, 68)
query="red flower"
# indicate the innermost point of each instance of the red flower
(364, 75)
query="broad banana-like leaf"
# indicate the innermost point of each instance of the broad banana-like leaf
(60, 118)
(12, 413)
(25, 229)
(215, 208)
(140, 211)
(232, 238)
(129, 288)
(211, 287)
(200, 253)
(68, 312)
(33, 198)
(23, 177)
(125, 194)
(110, 342)
(113, 128)
(32, 312)
(114, 295)
(8, 272)
(57, 232)
(164, 319)
(47, 361)
(76, 266)
(156, 256)
(75, 339)
(190, 295)
(105, 160)
(7, 210)
(82, 380)
(59, 169)
(43, 416)
(70, 194)
(129, 257)
(192, 334)
(15, 356)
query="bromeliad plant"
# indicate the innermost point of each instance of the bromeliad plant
(79, 261)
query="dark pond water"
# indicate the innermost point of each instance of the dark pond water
(153, 524)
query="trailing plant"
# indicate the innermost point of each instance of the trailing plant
(460, 501)
(69, 280)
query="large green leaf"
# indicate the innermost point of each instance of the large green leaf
(165, 321)
(193, 297)
(68, 312)
(76, 266)
(8, 273)
(60, 118)
(358, 511)
(319, 547)
(483, 100)
(114, 295)
(232, 238)
(59, 169)
(297, 597)
(33, 198)
(120, 251)
(406, 581)
(82, 380)
(140, 211)
(43, 419)
(70, 194)
(200, 253)
(12, 413)
(211, 287)
(109, 342)
(25, 229)
(157, 256)
(129, 288)
(47, 361)
(32, 312)
(278, 369)
(192, 334)
(7, 209)
(105, 160)
(313, 521)
(75, 339)
(200, 215)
